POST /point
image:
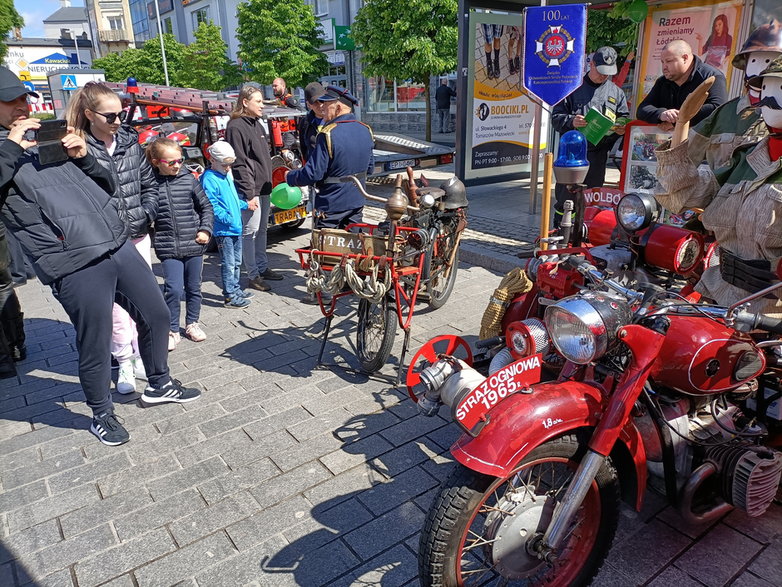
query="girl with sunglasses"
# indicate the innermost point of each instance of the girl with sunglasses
(183, 226)
(96, 113)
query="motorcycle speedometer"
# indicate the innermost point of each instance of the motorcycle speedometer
(584, 327)
(636, 211)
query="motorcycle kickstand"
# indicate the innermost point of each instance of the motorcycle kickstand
(405, 346)
(326, 330)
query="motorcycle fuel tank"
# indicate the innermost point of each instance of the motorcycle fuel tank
(702, 357)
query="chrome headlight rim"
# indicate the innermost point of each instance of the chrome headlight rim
(636, 211)
(598, 315)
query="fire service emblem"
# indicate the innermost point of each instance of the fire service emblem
(554, 46)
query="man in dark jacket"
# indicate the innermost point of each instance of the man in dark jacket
(309, 125)
(442, 98)
(596, 92)
(343, 147)
(64, 219)
(682, 73)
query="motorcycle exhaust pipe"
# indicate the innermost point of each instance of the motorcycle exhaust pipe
(696, 480)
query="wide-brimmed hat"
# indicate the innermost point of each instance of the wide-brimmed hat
(605, 61)
(11, 87)
(774, 69)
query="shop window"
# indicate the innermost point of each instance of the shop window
(390, 96)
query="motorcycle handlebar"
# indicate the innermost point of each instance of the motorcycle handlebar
(759, 322)
(586, 268)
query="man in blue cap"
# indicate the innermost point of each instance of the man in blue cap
(343, 147)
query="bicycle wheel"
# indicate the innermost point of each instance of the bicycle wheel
(375, 333)
(442, 276)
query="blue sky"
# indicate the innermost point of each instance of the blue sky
(34, 11)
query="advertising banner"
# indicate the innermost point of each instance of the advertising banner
(499, 112)
(554, 49)
(711, 28)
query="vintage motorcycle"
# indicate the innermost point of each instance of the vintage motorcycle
(655, 391)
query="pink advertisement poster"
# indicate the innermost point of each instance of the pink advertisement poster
(711, 29)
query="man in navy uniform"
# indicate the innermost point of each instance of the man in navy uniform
(343, 147)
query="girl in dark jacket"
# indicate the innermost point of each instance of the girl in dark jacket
(183, 225)
(96, 113)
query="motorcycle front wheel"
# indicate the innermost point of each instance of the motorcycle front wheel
(375, 333)
(481, 530)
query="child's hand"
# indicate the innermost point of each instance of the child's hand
(202, 237)
(253, 204)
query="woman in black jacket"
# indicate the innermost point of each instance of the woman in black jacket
(96, 113)
(183, 225)
(252, 172)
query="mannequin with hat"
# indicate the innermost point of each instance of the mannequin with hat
(738, 121)
(741, 204)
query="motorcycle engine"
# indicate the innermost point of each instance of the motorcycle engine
(619, 261)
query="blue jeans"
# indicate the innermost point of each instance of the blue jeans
(255, 222)
(182, 278)
(230, 248)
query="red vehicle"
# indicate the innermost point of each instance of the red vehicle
(655, 391)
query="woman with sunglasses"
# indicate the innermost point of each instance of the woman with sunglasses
(96, 113)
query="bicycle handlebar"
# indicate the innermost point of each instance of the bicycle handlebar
(355, 181)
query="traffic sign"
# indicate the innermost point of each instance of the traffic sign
(68, 82)
(29, 85)
(554, 49)
(24, 76)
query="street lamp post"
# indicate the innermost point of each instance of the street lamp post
(162, 45)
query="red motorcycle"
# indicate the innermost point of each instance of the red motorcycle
(655, 391)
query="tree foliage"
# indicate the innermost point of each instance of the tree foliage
(208, 66)
(9, 20)
(412, 40)
(280, 39)
(612, 28)
(146, 63)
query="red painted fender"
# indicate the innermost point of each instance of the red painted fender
(524, 421)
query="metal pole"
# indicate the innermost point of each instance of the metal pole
(162, 45)
(76, 42)
(535, 159)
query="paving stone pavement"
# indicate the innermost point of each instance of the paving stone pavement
(281, 474)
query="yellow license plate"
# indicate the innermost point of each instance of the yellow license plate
(290, 215)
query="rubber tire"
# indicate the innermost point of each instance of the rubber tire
(438, 299)
(374, 361)
(293, 225)
(454, 507)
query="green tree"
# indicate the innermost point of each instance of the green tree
(9, 20)
(606, 28)
(280, 39)
(208, 65)
(146, 63)
(411, 40)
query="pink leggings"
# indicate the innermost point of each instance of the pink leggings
(124, 338)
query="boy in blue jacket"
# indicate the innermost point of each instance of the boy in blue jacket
(221, 191)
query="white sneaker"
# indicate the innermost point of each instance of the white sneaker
(138, 368)
(126, 379)
(173, 340)
(194, 332)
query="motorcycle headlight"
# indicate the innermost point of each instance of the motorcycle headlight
(584, 327)
(636, 211)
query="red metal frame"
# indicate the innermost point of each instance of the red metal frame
(405, 303)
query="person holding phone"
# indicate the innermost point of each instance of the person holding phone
(96, 113)
(67, 223)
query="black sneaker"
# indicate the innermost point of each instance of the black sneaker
(259, 283)
(109, 429)
(171, 392)
(272, 275)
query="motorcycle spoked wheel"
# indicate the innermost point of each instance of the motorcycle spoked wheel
(479, 528)
(441, 277)
(375, 333)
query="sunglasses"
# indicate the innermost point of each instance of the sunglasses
(173, 161)
(112, 116)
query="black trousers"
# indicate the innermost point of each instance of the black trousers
(11, 317)
(339, 219)
(87, 296)
(595, 177)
